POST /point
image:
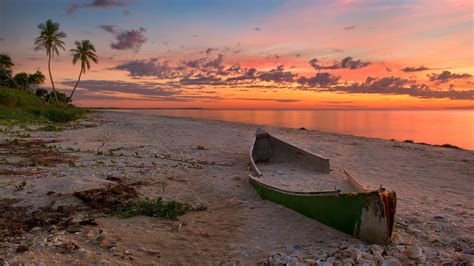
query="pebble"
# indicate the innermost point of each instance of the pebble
(378, 258)
(414, 252)
(35, 229)
(445, 255)
(366, 255)
(348, 261)
(413, 230)
(149, 251)
(391, 262)
(355, 254)
(103, 261)
(364, 262)
(100, 238)
(84, 253)
(466, 257)
(468, 251)
(376, 249)
(41, 242)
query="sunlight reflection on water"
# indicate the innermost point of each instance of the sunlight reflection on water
(431, 126)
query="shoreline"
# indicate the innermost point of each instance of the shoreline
(444, 145)
(205, 162)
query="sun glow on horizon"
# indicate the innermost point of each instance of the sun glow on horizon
(309, 55)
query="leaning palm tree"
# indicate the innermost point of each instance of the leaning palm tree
(50, 40)
(84, 52)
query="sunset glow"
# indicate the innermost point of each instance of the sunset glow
(255, 54)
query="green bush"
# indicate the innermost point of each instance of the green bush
(22, 106)
(18, 98)
(64, 114)
(156, 207)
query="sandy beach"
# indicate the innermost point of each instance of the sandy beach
(205, 163)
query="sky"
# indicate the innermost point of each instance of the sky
(340, 54)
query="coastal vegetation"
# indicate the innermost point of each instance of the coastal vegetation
(50, 40)
(84, 52)
(156, 207)
(21, 98)
(22, 106)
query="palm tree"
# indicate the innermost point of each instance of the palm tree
(50, 40)
(84, 52)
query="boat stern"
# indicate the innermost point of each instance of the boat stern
(377, 217)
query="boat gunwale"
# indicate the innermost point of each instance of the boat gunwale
(311, 193)
(357, 185)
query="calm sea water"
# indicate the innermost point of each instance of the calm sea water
(434, 127)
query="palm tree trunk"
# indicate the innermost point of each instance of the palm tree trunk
(72, 93)
(51, 78)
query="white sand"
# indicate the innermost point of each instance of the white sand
(434, 187)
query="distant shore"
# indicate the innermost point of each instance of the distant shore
(205, 163)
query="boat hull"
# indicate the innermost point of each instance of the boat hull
(361, 215)
(367, 215)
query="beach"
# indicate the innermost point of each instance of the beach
(205, 163)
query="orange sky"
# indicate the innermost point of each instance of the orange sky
(274, 54)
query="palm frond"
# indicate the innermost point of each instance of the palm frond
(84, 52)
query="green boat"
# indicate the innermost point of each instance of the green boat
(303, 181)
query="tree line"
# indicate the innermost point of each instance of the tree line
(51, 41)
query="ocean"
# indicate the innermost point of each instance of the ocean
(454, 127)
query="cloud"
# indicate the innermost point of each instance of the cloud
(106, 3)
(201, 71)
(347, 62)
(349, 27)
(136, 91)
(249, 74)
(155, 67)
(142, 88)
(269, 100)
(201, 79)
(214, 72)
(414, 69)
(446, 76)
(130, 39)
(149, 68)
(109, 28)
(257, 29)
(210, 50)
(74, 7)
(319, 80)
(277, 75)
(216, 63)
(400, 86)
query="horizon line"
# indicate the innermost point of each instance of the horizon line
(288, 109)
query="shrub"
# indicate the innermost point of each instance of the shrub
(156, 207)
(64, 114)
(23, 106)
